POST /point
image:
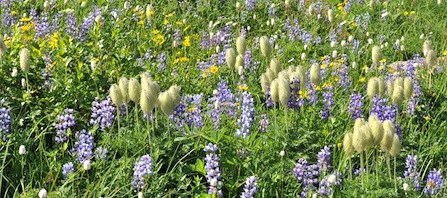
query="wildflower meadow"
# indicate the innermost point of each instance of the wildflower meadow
(223, 98)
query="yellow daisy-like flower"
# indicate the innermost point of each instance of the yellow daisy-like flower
(159, 39)
(327, 84)
(317, 88)
(365, 67)
(141, 22)
(303, 94)
(243, 87)
(186, 42)
(155, 31)
(54, 38)
(444, 53)
(186, 28)
(213, 69)
(323, 66)
(179, 23)
(427, 118)
(383, 60)
(362, 79)
(26, 19)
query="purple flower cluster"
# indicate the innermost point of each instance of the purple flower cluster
(411, 174)
(382, 110)
(247, 115)
(213, 173)
(250, 4)
(103, 113)
(71, 25)
(435, 183)
(67, 169)
(295, 101)
(307, 175)
(188, 113)
(263, 123)
(65, 121)
(356, 106)
(328, 100)
(325, 187)
(88, 23)
(161, 61)
(222, 102)
(5, 123)
(100, 153)
(324, 160)
(142, 169)
(83, 147)
(250, 188)
(42, 26)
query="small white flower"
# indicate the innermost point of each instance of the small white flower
(332, 179)
(43, 193)
(272, 21)
(248, 28)
(140, 195)
(282, 153)
(217, 49)
(22, 150)
(333, 43)
(268, 23)
(439, 2)
(254, 16)
(334, 54)
(402, 48)
(213, 182)
(370, 41)
(303, 56)
(126, 5)
(23, 81)
(238, 5)
(422, 36)
(87, 164)
(386, 44)
(354, 64)
(343, 43)
(402, 38)
(406, 187)
(45, 4)
(83, 4)
(314, 195)
(350, 38)
(367, 33)
(305, 47)
(14, 72)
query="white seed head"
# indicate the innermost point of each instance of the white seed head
(408, 88)
(395, 147)
(358, 140)
(426, 46)
(368, 137)
(330, 15)
(134, 90)
(377, 131)
(389, 88)
(347, 144)
(115, 95)
(373, 88)
(265, 82)
(124, 87)
(431, 58)
(398, 96)
(230, 57)
(282, 153)
(14, 72)
(315, 74)
(24, 60)
(376, 55)
(274, 92)
(266, 48)
(284, 92)
(241, 45)
(240, 71)
(275, 65)
(388, 134)
(149, 11)
(381, 84)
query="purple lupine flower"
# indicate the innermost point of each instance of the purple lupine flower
(7, 19)
(222, 102)
(55, 22)
(250, 188)
(324, 160)
(326, 184)
(142, 169)
(268, 100)
(271, 11)
(213, 174)
(328, 100)
(250, 4)
(382, 110)
(313, 98)
(161, 61)
(65, 121)
(295, 101)
(177, 36)
(103, 113)
(100, 153)
(5, 123)
(411, 174)
(263, 123)
(247, 115)
(358, 171)
(72, 27)
(83, 147)
(42, 26)
(205, 42)
(435, 183)
(189, 113)
(247, 59)
(88, 23)
(67, 169)
(307, 175)
(356, 106)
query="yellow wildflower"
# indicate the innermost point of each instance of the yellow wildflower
(444, 53)
(317, 88)
(323, 66)
(213, 69)
(186, 42)
(169, 15)
(365, 67)
(53, 40)
(362, 79)
(303, 94)
(327, 84)
(159, 39)
(427, 118)
(192, 109)
(179, 23)
(155, 31)
(186, 28)
(243, 87)
(141, 22)
(383, 60)
(26, 19)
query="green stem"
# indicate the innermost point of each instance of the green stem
(362, 165)
(388, 164)
(350, 168)
(366, 165)
(377, 169)
(149, 133)
(395, 179)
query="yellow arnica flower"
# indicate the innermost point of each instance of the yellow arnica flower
(362, 79)
(383, 61)
(186, 42)
(444, 53)
(242, 87)
(25, 19)
(159, 39)
(53, 40)
(303, 94)
(213, 69)
(140, 22)
(155, 31)
(192, 109)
